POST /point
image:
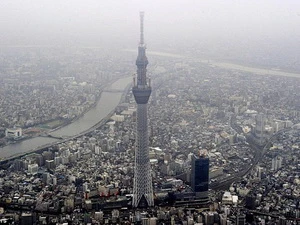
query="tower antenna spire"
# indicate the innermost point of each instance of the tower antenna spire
(141, 28)
(142, 183)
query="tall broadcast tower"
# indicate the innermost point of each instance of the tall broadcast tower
(142, 189)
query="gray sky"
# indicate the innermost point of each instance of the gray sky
(94, 22)
(80, 18)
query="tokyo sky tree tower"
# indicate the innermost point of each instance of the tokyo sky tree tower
(142, 189)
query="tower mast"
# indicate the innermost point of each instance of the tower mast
(142, 184)
(141, 28)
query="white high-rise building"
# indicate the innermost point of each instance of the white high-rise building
(33, 168)
(276, 163)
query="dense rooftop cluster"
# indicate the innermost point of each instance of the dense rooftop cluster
(37, 102)
(194, 106)
(273, 186)
(44, 89)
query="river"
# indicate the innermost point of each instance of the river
(107, 103)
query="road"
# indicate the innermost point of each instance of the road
(259, 153)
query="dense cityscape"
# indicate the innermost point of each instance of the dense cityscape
(41, 91)
(89, 178)
(192, 141)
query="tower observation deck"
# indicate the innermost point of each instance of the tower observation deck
(142, 184)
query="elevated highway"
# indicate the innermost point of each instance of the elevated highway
(260, 151)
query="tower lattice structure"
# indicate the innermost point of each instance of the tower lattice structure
(142, 186)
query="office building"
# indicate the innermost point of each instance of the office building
(200, 177)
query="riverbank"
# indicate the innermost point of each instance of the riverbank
(45, 132)
(226, 64)
(93, 118)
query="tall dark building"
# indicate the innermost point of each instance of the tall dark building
(240, 219)
(142, 184)
(26, 219)
(200, 177)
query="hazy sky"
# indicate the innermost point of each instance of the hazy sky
(264, 31)
(60, 19)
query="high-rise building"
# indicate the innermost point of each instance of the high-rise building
(142, 185)
(276, 163)
(259, 131)
(240, 219)
(200, 177)
(26, 219)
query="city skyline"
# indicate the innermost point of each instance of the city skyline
(212, 138)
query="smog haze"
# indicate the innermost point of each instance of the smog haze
(231, 29)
